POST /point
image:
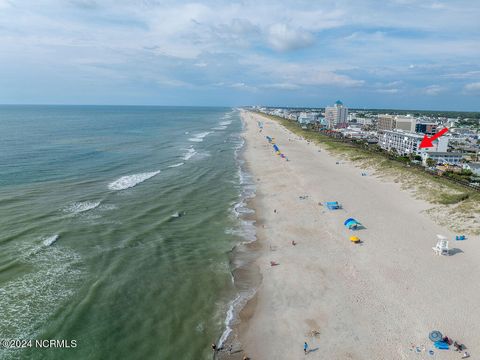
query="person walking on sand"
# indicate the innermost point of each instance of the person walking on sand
(305, 348)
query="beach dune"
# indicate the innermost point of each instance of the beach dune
(373, 300)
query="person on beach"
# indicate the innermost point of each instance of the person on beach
(294, 243)
(214, 347)
(305, 348)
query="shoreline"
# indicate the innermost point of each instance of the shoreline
(325, 285)
(245, 273)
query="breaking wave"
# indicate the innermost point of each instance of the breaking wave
(129, 181)
(190, 152)
(199, 137)
(79, 207)
(176, 165)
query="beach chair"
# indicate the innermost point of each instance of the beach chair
(441, 248)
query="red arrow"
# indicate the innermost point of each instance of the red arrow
(427, 142)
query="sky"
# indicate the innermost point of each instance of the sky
(404, 54)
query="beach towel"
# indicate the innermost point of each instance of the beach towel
(441, 345)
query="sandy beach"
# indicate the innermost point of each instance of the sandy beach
(373, 300)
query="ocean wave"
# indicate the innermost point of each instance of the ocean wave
(246, 231)
(176, 165)
(200, 136)
(29, 300)
(79, 207)
(47, 241)
(128, 181)
(225, 123)
(219, 128)
(233, 309)
(190, 152)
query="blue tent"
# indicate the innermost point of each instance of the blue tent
(351, 224)
(276, 148)
(333, 205)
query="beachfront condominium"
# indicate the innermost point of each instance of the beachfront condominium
(406, 123)
(390, 122)
(336, 115)
(406, 143)
(385, 122)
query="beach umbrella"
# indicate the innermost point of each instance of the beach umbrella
(435, 335)
(354, 239)
(348, 220)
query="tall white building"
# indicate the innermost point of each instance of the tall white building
(406, 143)
(336, 115)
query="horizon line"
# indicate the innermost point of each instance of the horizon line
(243, 106)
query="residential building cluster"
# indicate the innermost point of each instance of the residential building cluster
(397, 134)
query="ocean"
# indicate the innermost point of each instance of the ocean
(116, 229)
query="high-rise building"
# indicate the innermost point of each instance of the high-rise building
(426, 128)
(406, 123)
(336, 115)
(385, 122)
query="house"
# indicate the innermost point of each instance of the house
(473, 167)
(441, 157)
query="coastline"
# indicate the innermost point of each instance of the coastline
(246, 275)
(381, 290)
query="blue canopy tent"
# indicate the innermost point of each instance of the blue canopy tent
(333, 205)
(276, 148)
(352, 224)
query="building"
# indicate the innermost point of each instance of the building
(307, 118)
(426, 128)
(336, 115)
(473, 167)
(405, 143)
(385, 122)
(364, 121)
(441, 157)
(406, 123)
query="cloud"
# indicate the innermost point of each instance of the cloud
(284, 38)
(434, 90)
(388, 91)
(282, 86)
(472, 87)
(243, 86)
(463, 75)
(270, 47)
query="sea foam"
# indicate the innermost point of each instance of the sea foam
(128, 181)
(176, 165)
(79, 207)
(199, 137)
(190, 152)
(50, 240)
